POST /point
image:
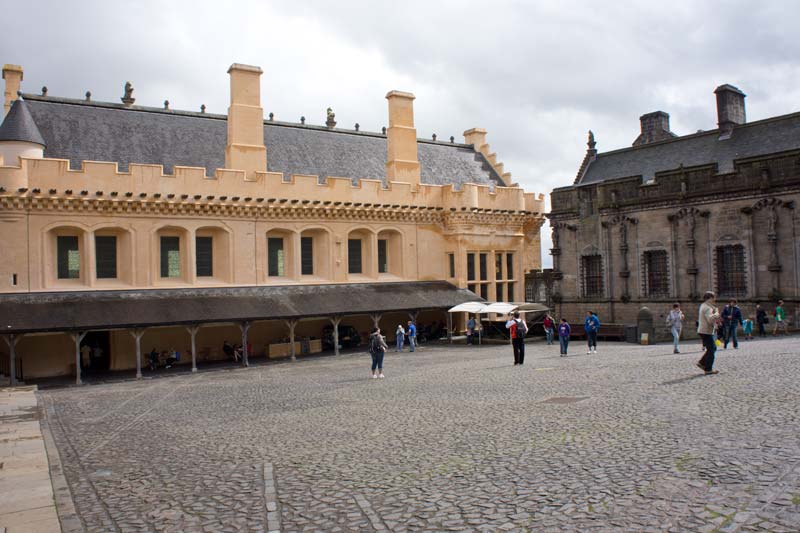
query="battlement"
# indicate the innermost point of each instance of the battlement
(99, 178)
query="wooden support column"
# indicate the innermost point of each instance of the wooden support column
(11, 341)
(137, 336)
(244, 326)
(335, 321)
(78, 337)
(450, 327)
(376, 319)
(193, 334)
(291, 324)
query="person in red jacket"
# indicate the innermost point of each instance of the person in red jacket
(549, 328)
(518, 330)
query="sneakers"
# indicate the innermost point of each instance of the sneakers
(700, 365)
(381, 375)
(710, 372)
(374, 376)
(676, 351)
(594, 351)
(588, 352)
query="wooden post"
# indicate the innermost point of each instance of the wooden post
(376, 318)
(193, 334)
(11, 341)
(78, 337)
(450, 327)
(137, 336)
(244, 326)
(335, 321)
(291, 325)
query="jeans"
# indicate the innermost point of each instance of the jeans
(676, 337)
(730, 334)
(549, 334)
(519, 350)
(400, 341)
(377, 360)
(762, 332)
(412, 342)
(591, 338)
(707, 361)
(564, 342)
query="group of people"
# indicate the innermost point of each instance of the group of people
(235, 352)
(168, 357)
(378, 347)
(591, 325)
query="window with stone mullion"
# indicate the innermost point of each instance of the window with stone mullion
(731, 271)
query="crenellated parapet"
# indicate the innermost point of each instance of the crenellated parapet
(190, 184)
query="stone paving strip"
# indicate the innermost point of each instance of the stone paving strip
(27, 502)
(271, 500)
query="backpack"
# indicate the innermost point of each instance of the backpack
(374, 344)
(522, 328)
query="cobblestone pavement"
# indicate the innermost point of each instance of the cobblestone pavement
(455, 438)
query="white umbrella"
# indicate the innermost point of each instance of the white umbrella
(468, 307)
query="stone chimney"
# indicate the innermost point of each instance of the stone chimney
(402, 163)
(655, 127)
(245, 149)
(730, 108)
(13, 76)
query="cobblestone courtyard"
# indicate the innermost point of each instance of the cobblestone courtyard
(454, 438)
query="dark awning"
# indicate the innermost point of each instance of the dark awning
(87, 310)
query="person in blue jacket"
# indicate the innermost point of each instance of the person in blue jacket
(591, 325)
(731, 319)
(563, 336)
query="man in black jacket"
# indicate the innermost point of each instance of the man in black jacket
(731, 318)
(761, 319)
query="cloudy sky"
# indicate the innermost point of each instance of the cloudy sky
(536, 75)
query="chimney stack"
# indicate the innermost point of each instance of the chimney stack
(655, 127)
(13, 76)
(401, 139)
(730, 108)
(245, 149)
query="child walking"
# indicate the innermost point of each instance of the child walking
(563, 336)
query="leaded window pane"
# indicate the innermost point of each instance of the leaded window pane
(204, 256)
(276, 259)
(307, 256)
(105, 249)
(354, 256)
(69, 257)
(170, 257)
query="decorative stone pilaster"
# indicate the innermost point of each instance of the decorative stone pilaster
(690, 214)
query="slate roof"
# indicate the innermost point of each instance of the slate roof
(95, 131)
(769, 136)
(19, 125)
(86, 310)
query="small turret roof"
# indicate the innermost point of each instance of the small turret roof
(19, 125)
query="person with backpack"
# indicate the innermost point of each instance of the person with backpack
(377, 349)
(563, 336)
(518, 330)
(549, 327)
(591, 325)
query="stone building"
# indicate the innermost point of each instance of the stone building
(132, 227)
(673, 216)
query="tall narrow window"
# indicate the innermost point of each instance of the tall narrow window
(354, 256)
(498, 266)
(69, 257)
(472, 288)
(383, 265)
(170, 257)
(592, 276)
(105, 251)
(471, 267)
(307, 256)
(485, 291)
(499, 292)
(482, 260)
(451, 261)
(731, 273)
(276, 260)
(656, 273)
(510, 292)
(509, 266)
(204, 256)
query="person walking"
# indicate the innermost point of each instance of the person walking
(470, 329)
(706, 318)
(591, 325)
(549, 328)
(412, 336)
(400, 339)
(780, 319)
(563, 336)
(675, 324)
(377, 349)
(731, 318)
(761, 320)
(518, 329)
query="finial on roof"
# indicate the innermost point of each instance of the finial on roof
(19, 95)
(128, 98)
(44, 90)
(88, 96)
(330, 122)
(452, 139)
(357, 126)
(166, 104)
(383, 130)
(591, 144)
(202, 108)
(271, 115)
(302, 120)
(433, 136)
